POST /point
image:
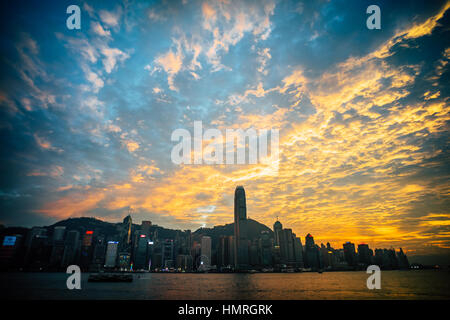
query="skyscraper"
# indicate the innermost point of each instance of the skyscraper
(58, 247)
(127, 223)
(98, 259)
(71, 248)
(311, 253)
(168, 253)
(277, 227)
(265, 245)
(364, 254)
(111, 254)
(225, 252)
(206, 252)
(350, 253)
(140, 255)
(286, 247)
(86, 250)
(298, 251)
(240, 229)
(58, 233)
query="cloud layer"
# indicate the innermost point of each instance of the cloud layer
(363, 116)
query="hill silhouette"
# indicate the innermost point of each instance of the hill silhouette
(83, 224)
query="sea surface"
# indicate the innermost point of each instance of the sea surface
(417, 284)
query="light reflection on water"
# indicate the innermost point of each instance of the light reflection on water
(421, 284)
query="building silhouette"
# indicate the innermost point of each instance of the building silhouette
(111, 254)
(240, 230)
(312, 259)
(350, 253)
(205, 260)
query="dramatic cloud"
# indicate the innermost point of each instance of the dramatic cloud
(363, 116)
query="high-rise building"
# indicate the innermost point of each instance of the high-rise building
(196, 253)
(141, 253)
(168, 253)
(403, 262)
(265, 246)
(98, 259)
(127, 225)
(312, 259)
(277, 227)
(111, 254)
(298, 251)
(240, 229)
(40, 252)
(206, 252)
(364, 254)
(286, 247)
(71, 245)
(31, 235)
(58, 247)
(9, 251)
(58, 233)
(86, 250)
(326, 254)
(225, 252)
(350, 253)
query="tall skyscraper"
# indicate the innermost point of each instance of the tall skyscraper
(286, 246)
(111, 254)
(206, 252)
(240, 229)
(140, 255)
(298, 251)
(350, 253)
(32, 234)
(168, 253)
(58, 233)
(71, 248)
(265, 246)
(86, 250)
(364, 254)
(127, 223)
(311, 253)
(98, 259)
(277, 227)
(57, 247)
(225, 252)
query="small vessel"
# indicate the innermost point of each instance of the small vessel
(110, 277)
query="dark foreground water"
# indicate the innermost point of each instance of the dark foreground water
(421, 284)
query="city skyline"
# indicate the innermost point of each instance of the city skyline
(87, 116)
(140, 248)
(136, 250)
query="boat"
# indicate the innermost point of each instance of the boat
(110, 277)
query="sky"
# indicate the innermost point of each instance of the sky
(86, 116)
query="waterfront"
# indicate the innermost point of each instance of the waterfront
(420, 284)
